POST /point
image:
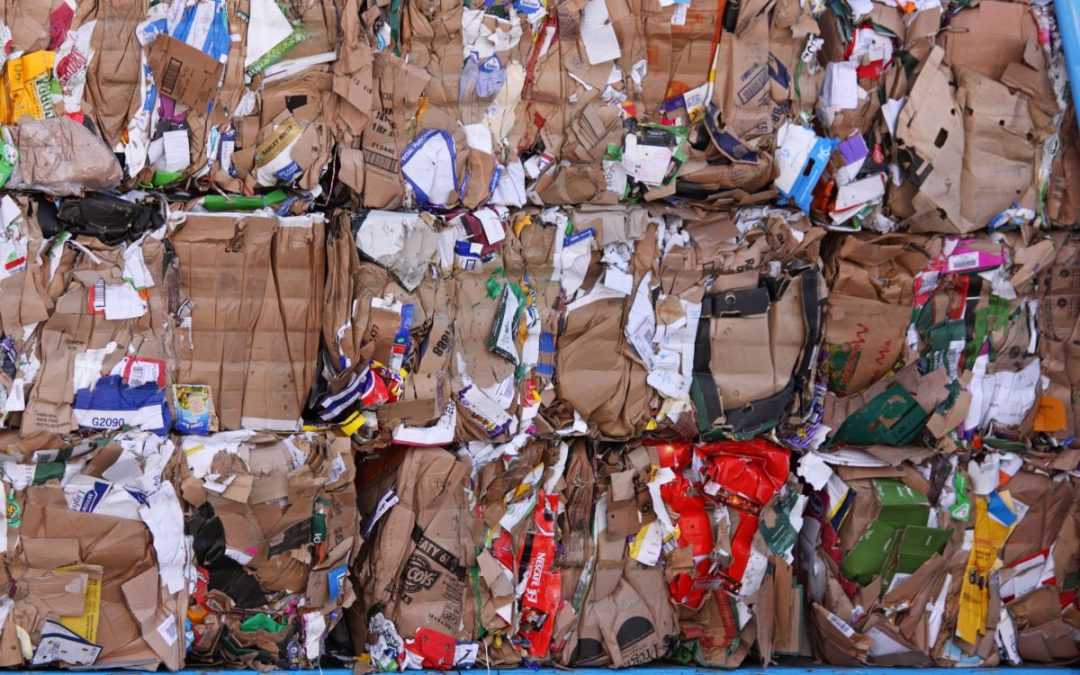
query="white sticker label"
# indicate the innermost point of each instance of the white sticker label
(963, 261)
(167, 630)
(143, 372)
(694, 100)
(841, 625)
(337, 469)
(16, 398)
(678, 17)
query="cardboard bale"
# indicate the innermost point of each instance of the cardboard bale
(100, 555)
(273, 520)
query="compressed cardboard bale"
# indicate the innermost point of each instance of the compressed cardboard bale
(529, 108)
(104, 350)
(120, 562)
(272, 518)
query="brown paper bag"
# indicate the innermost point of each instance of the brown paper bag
(604, 386)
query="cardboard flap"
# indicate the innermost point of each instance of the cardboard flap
(50, 553)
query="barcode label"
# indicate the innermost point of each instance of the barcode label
(167, 630)
(143, 372)
(963, 261)
(172, 73)
(841, 625)
(99, 297)
(379, 161)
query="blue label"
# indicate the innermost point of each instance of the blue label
(528, 7)
(575, 237)
(335, 581)
(93, 497)
(1000, 511)
(778, 72)
(289, 173)
(464, 249)
(138, 495)
(422, 197)
(802, 192)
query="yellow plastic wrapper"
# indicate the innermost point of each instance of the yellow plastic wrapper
(29, 87)
(992, 528)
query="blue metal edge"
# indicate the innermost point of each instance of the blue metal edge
(1068, 19)
(817, 669)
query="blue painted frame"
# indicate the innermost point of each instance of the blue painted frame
(816, 669)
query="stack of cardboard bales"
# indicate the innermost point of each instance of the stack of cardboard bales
(584, 333)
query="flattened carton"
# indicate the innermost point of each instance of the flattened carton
(421, 550)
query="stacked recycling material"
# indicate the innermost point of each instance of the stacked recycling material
(154, 540)
(587, 333)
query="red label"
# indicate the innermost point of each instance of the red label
(543, 584)
(59, 23)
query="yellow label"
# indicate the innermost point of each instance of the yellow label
(648, 544)
(989, 537)
(5, 101)
(521, 223)
(420, 108)
(86, 624)
(15, 74)
(27, 81)
(353, 424)
(285, 133)
(37, 63)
